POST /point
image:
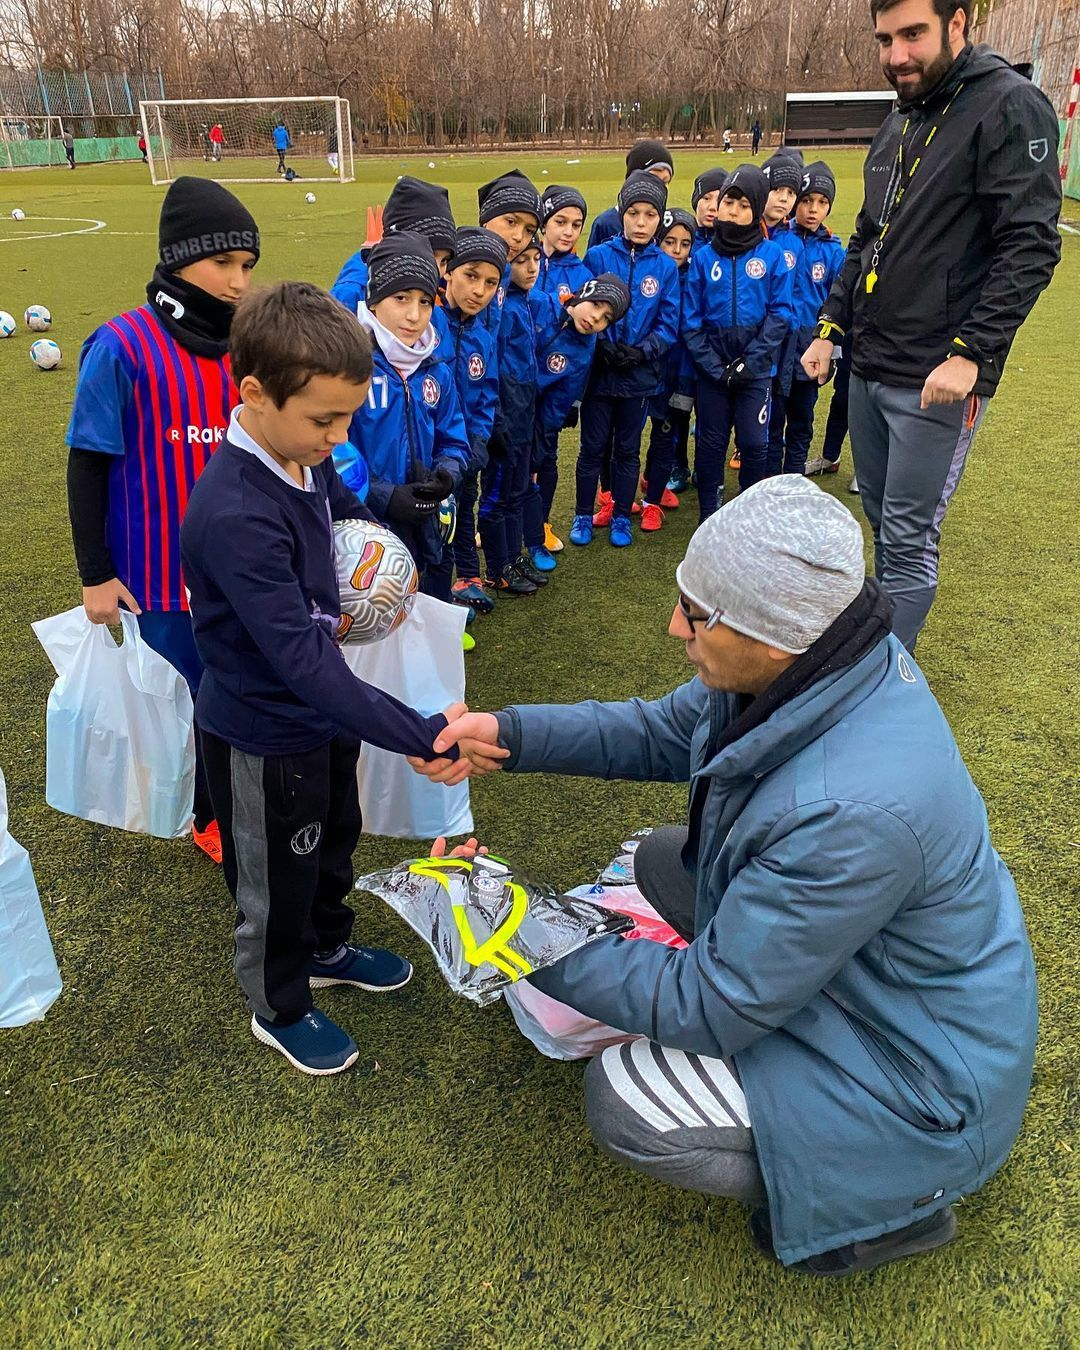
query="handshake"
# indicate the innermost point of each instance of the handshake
(476, 736)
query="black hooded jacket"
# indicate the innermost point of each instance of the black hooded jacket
(973, 240)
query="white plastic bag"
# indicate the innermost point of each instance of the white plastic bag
(422, 664)
(29, 979)
(120, 743)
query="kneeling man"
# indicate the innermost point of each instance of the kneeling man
(847, 1043)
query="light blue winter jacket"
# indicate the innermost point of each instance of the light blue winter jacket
(860, 947)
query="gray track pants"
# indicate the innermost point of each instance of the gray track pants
(677, 1117)
(909, 463)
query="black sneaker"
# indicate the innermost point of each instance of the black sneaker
(511, 584)
(922, 1236)
(523, 566)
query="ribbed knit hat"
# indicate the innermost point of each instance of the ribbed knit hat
(421, 207)
(557, 198)
(200, 219)
(676, 215)
(606, 289)
(647, 154)
(473, 244)
(642, 186)
(818, 177)
(509, 193)
(750, 182)
(712, 180)
(781, 562)
(401, 262)
(782, 171)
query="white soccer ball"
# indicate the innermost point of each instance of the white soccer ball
(309, 197)
(38, 319)
(18, 214)
(45, 354)
(7, 323)
(377, 580)
(431, 163)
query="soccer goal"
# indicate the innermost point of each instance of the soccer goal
(31, 142)
(254, 140)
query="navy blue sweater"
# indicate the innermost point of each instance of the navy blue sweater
(258, 559)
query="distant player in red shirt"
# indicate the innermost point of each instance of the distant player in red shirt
(217, 141)
(152, 404)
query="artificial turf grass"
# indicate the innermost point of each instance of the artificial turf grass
(164, 1179)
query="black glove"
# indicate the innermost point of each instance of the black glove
(407, 508)
(572, 417)
(607, 354)
(736, 373)
(436, 488)
(632, 356)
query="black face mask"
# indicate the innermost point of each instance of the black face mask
(729, 239)
(197, 320)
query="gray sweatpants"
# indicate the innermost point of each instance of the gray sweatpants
(677, 1117)
(908, 462)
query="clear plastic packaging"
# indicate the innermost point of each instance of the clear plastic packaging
(487, 928)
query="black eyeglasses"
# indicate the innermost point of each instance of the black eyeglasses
(709, 620)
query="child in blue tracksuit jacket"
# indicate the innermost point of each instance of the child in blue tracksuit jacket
(736, 314)
(704, 202)
(509, 206)
(820, 256)
(643, 157)
(562, 218)
(566, 340)
(412, 205)
(471, 350)
(410, 429)
(505, 482)
(630, 357)
(670, 407)
(282, 143)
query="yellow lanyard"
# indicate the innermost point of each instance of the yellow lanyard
(900, 183)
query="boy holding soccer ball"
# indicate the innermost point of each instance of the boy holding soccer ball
(151, 406)
(280, 717)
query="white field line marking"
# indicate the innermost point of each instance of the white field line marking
(92, 226)
(1069, 229)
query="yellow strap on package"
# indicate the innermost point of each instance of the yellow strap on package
(494, 951)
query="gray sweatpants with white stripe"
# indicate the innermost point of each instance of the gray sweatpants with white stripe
(677, 1117)
(909, 462)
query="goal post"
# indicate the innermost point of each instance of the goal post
(249, 140)
(31, 142)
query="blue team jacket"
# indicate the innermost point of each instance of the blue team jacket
(350, 289)
(281, 138)
(563, 359)
(679, 376)
(472, 350)
(651, 322)
(821, 256)
(860, 948)
(406, 427)
(736, 307)
(517, 367)
(561, 275)
(606, 226)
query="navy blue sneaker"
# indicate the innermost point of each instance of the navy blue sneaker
(679, 481)
(622, 534)
(313, 1045)
(370, 968)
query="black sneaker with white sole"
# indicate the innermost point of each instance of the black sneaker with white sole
(314, 1045)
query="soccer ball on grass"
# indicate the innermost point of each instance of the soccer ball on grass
(377, 580)
(18, 214)
(309, 197)
(38, 319)
(7, 323)
(45, 354)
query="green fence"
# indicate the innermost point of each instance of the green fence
(88, 150)
(1072, 182)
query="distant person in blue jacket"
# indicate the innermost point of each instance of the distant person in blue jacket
(282, 144)
(846, 1044)
(820, 256)
(562, 218)
(645, 157)
(280, 717)
(736, 314)
(410, 429)
(563, 361)
(630, 358)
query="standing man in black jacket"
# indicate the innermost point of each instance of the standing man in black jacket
(956, 238)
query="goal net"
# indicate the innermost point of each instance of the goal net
(31, 142)
(256, 140)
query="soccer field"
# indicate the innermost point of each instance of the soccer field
(164, 1180)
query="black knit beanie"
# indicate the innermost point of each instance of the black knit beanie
(606, 289)
(421, 207)
(818, 178)
(642, 186)
(557, 198)
(647, 154)
(474, 244)
(200, 219)
(712, 180)
(750, 182)
(676, 215)
(510, 192)
(782, 171)
(401, 262)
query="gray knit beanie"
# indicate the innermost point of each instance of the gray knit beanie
(780, 562)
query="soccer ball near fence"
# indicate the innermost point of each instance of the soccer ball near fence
(38, 319)
(376, 578)
(45, 354)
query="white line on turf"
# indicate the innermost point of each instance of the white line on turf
(91, 227)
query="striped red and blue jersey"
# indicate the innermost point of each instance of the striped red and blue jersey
(161, 411)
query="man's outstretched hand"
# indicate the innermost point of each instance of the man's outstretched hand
(476, 736)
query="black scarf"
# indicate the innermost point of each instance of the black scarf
(731, 240)
(865, 622)
(197, 320)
